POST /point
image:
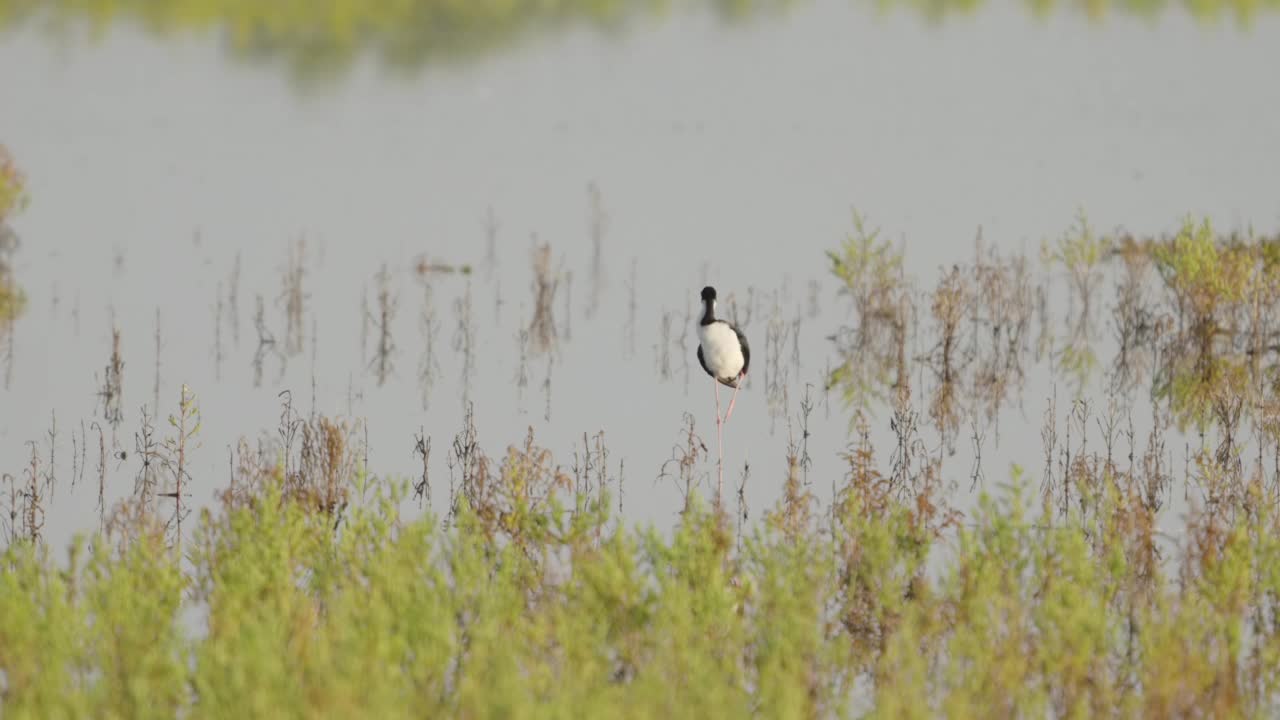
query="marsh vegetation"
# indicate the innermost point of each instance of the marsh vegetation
(406, 37)
(385, 402)
(1134, 572)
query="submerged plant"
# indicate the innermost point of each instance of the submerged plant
(871, 350)
(13, 194)
(13, 198)
(310, 587)
(882, 602)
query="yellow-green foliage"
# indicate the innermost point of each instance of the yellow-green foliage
(99, 638)
(13, 198)
(12, 186)
(870, 273)
(1203, 274)
(1214, 283)
(318, 38)
(279, 615)
(12, 301)
(1079, 252)
(867, 266)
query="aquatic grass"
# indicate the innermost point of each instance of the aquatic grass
(870, 272)
(13, 193)
(1192, 314)
(552, 608)
(1128, 583)
(321, 47)
(13, 199)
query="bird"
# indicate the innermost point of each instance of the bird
(723, 351)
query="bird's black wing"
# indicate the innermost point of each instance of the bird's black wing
(746, 350)
(703, 362)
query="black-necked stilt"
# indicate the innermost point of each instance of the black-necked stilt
(723, 352)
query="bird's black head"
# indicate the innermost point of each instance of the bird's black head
(708, 293)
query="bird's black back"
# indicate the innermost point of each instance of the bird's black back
(746, 349)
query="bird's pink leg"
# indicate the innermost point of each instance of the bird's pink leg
(733, 399)
(719, 445)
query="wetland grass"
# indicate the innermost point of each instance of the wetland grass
(824, 609)
(111, 395)
(542, 326)
(429, 329)
(13, 198)
(464, 341)
(1138, 575)
(410, 37)
(387, 304)
(293, 297)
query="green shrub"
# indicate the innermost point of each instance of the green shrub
(280, 615)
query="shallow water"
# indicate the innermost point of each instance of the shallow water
(728, 153)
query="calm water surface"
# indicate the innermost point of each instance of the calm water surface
(729, 153)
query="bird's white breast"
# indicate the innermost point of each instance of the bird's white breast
(720, 349)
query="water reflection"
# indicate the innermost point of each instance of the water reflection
(1191, 315)
(319, 44)
(12, 299)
